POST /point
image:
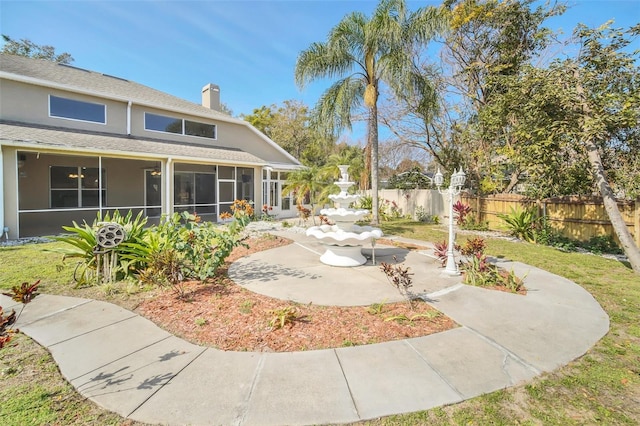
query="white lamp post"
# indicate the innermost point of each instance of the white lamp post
(457, 182)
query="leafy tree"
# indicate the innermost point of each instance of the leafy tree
(410, 179)
(363, 52)
(226, 109)
(25, 47)
(602, 91)
(489, 41)
(573, 127)
(262, 118)
(289, 126)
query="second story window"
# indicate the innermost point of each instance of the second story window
(73, 109)
(163, 123)
(203, 130)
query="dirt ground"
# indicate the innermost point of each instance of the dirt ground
(221, 314)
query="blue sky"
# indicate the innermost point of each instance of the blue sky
(247, 47)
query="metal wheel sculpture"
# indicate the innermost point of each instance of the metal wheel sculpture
(108, 237)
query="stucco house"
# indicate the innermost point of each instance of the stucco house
(75, 142)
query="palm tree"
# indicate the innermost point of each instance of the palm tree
(305, 182)
(362, 53)
(347, 154)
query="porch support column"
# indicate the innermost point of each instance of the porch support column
(1, 194)
(167, 206)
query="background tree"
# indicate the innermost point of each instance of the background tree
(602, 90)
(362, 53)
(289, 126)
(574, 127)
(25, 47)
(489, 41)
(414, 178)
(262, 118)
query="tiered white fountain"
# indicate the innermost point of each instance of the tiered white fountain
(344, 239)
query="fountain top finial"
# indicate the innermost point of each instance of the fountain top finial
(344, 173)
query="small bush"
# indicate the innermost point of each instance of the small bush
(522, 223)
(471, 223)
(400, 278)
(283, 316)
(602, 244)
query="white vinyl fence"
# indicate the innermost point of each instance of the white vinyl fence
(410, 200)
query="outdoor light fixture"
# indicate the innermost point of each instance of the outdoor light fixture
(455, 186)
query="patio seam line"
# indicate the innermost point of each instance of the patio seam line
(435, 370)
(246, 403)
(431, 296)
(203, 350)
(346, 381)
(122, 357)
(54, 313)
(133, 315)
(506, 351)
(307, 248)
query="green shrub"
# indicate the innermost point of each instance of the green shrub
(522, 223)
(283, 316)
(602, 244)
(471, 223)
(179, 241)
(546, 235)
(84, 244)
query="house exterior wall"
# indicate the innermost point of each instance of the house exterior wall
(30, 104)
(33, 142)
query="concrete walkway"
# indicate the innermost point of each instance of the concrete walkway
(128, 365)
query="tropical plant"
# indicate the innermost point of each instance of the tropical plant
(461, 210)
(440, 251)
(83, 239)
(522, 224)
(362, 53)
(24, 294)
(411, 319)
(473, 246)
(307, 182)
(283, 316)
(164, 269)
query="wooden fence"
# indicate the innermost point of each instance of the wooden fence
(578, 218)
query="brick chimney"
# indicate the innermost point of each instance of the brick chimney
(211, 97)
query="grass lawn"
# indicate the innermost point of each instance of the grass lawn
(602, 387)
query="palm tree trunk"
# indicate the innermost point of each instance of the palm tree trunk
(373, 144)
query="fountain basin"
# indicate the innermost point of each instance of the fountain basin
(344, 215)
(343, 248)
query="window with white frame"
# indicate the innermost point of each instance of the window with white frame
(163, 123)
(73, 109)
